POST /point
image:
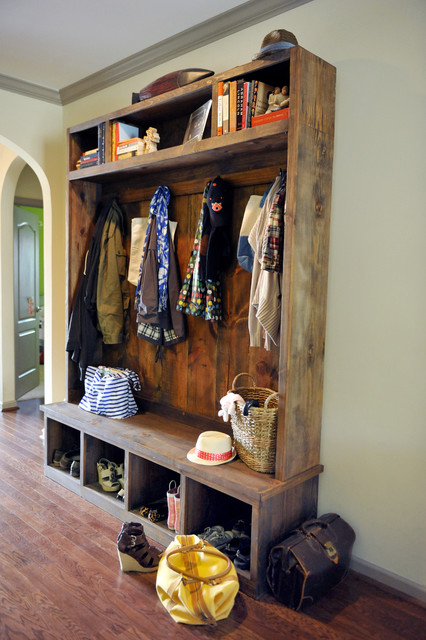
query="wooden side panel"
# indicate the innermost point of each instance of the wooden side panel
(273, 520)
(310, 159)
(83, 200)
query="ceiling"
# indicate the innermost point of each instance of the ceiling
(60, 50)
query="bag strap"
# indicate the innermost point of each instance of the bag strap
(199, 547)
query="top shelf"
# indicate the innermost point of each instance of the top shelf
(169, 113)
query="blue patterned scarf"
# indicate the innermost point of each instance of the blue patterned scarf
(159, 208)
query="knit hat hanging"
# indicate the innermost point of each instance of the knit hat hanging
(201, 291)
(217, 220)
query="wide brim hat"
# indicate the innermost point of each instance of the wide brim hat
(275, 43)
(212, 448)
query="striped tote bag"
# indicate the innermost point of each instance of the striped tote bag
(108, 391)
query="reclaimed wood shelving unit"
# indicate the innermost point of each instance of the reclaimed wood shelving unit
(180, 395)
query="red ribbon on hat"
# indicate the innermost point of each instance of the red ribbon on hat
(213, 457)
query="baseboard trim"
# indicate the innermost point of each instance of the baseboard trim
(8, 406)
(389, 579)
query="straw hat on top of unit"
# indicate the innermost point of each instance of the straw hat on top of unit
(276, 42)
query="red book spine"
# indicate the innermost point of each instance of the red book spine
(220, 109)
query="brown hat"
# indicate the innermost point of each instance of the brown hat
(276, 41)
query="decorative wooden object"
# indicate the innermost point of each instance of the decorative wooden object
(180, 396)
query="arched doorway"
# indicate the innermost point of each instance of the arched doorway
(29, 287)
(12, 162)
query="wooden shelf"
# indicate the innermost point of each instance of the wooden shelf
(181, 392)
(236, 149)
(166, 442)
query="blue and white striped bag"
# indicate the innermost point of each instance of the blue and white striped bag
(108, 391)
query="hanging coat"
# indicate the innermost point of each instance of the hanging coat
(84, 335)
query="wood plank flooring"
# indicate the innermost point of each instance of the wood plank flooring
(60, 577)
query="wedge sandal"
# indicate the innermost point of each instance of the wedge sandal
(134, 551)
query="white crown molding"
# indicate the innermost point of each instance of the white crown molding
(225, 24)
(30, 89)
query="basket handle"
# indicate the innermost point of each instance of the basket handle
(265, 406)
(243, 374)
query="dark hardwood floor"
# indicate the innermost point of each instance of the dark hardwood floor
(60, 576)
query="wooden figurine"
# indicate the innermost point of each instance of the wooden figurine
(151, 139)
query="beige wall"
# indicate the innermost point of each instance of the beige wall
(374, 401)
(33, 131)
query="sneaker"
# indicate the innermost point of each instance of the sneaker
(232, 548)
(57, 455)
(75, 468)
(242, 557)
(208, 531)
(68, 458)
(240, 528)
(219, 538)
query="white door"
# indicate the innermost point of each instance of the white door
(26, 286)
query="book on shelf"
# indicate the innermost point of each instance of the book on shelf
(120, 132)
(225, 108)
(244, 106)
(220, 108)
(240, 94)
(274, 116)
(233, 105)
(261, 92)
(101, 142)
(88, 159)
(129, 154)
(88, 163)
(132, 144)
(239, 101)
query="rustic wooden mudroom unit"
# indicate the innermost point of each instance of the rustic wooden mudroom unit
(180, 395)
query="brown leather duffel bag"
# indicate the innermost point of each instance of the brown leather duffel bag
(311, 560)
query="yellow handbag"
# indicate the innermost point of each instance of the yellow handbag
(196, 583)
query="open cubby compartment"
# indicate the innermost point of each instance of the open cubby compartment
(94, 450)
(206, 507)
(82, 139)
(59, 437)
(274, 72)
(148, 483)
(170, 116)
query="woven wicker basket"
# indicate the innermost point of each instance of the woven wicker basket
(255, 435)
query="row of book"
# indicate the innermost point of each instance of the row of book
(94, 156)
(242, 104)
(125, 141)
(125, 144)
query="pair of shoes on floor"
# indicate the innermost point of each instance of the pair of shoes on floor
(155, 511)
(134, 551)
(67, 461)
(111, 476)
(173, 506)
